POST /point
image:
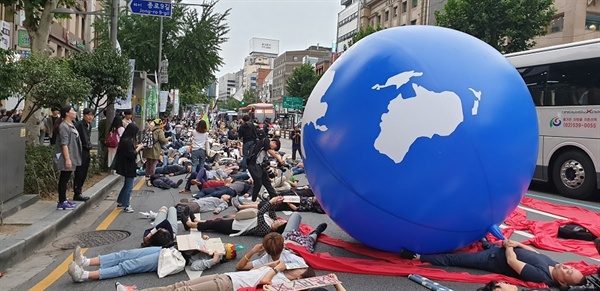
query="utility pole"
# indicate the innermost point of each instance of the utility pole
(114, 26)
(160, 47)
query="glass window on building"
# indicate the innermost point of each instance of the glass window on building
(395, 11)
(413, 22)
(295, 58)
(592, 21)
(415, 3)
(386, 16)
(557, 23)
(403, 6)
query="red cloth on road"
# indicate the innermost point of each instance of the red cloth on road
(391, 264)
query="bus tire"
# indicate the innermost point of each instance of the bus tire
(574, 175)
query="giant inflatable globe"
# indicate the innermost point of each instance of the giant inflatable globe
(419, 137)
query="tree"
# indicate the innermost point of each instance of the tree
(193, 95)
(41, 89)
(507, 25)
(191, 43)
(38, 20)
(302, 81)
(362, 32)
(108, 71)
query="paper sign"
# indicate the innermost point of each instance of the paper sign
(303, 284)
(295, 265)
(193, 242)
(23, 132)
(291, 199)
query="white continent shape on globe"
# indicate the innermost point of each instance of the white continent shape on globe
(426, 114)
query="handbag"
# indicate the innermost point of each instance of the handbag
(170, 261)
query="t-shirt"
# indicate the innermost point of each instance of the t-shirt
(286, 256)
(536, 267)
(252, 278)
(163, 224)
(199, 140)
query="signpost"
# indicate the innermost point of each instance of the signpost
(162, 8)
(293, 102)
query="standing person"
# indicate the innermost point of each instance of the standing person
(50, 124)
(199, 141)
(152, 154)
(42, 127)
(84, 127)
(127, 115)
(67, 153)
(258, 163)
(296, 135)
(247, 133)
(125, 164)
(116, 129)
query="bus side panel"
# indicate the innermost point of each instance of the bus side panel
(541, 168)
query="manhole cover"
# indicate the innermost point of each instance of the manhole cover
(91, 239)
(138, 193)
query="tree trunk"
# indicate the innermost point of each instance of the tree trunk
(38, 36)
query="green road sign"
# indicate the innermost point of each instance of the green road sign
(293, 102)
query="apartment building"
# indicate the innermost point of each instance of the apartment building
(348, 24)
(252, 65)
(265, 88)
(575, 20)
(390, 13)
(285, 64)
(226, 86)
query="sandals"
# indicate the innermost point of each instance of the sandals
(185, 191)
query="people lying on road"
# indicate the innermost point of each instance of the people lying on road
(306, 204)
(338, 286)
(263, 223)
(208, 204)
(164, 183)
(270, 250)
(203, 176)
(141, 260)
(276, 273)
(513, 259)
(164, 230)
(283, 181)
(236, 188)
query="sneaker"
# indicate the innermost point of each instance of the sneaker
(71, 202)
(78, 256)
(144, 215)
(65, 206)
(407, 254)
(119, 205)
(179, 182)
(128, 209)
(319, 229)
(235, 201)
(76, 272)
(152, 214)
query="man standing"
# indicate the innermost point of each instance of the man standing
(296, 143)
(247, 133)
(85, 131)
(49, 125)
(258, 163)
(128, 114)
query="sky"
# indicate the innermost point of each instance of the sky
(297, 24)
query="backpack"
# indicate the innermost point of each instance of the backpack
(255, 149)
(574, 231)
(148, 140)
(112, 141)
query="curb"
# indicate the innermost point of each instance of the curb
(16, 249)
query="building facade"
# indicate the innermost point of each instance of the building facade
(265, 89)
(391, 13)
(575, 20)
(285, 64)
(252, 65)
(347, 24)
(226, 86)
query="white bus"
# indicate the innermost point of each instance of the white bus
(564, 82)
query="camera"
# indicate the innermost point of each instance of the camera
(270, 172)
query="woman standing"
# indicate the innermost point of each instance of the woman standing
(116, 128)
(67, 153)
(152, 155)
(125, 164)
(199, 140)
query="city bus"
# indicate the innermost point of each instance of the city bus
(260, 111)
(564, 82)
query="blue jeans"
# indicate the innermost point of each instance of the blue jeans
(125, 193)
(127, 262)
(200, 177)
(297, 170)
(169, 214)
(198, 158)
(215, 192)
(166, 161)
(240, 176)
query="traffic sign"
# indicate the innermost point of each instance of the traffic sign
(162, 8)
(293, 102)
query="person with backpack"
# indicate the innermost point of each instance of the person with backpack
(247, 133)
(125, 164)
(258, 163)
(114, 137)
(153, 141)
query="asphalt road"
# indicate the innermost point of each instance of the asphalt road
(48, 259)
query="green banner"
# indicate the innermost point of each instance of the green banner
(23, 39)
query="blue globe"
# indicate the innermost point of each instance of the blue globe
(420, 137)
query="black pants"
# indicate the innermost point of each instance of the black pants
(81, 172)
(260, 178)
(63, 181)
(294, 149)
(219, 225)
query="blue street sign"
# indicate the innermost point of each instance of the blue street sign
(160, 8)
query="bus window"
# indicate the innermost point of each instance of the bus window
(568, 82)
(535, 79)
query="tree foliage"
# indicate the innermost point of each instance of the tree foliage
(302, 81)
(41, 88)
(108, 71)
(507, 25)
(362, 33)
(193, 95)
(191, 42)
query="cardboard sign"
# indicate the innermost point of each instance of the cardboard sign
(193, 242)
(302, 284)
(295, 265)
(291, 199)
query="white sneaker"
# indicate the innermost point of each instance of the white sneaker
(152, 214)
(78, 256)
(128, 209)
(148, 215)
(76, 272)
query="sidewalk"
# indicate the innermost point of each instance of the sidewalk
(40, 223)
